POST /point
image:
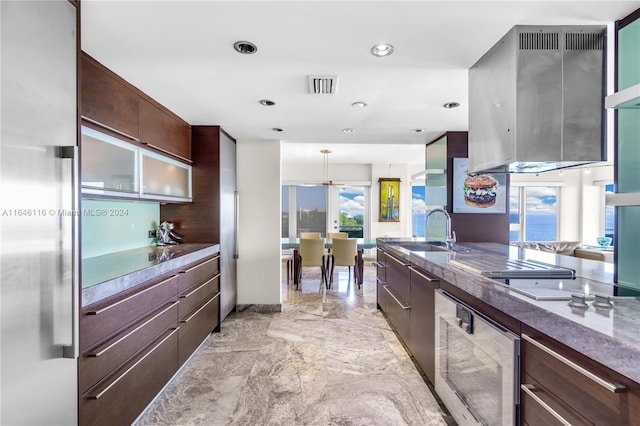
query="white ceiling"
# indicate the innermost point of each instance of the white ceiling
(181, 54)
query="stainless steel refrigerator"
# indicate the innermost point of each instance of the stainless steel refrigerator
(38, 242)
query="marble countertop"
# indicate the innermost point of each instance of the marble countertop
(611, 336)
(104, 276)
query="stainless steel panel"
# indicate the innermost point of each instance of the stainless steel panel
(39, 386)
(536, 102)
(492, 106)
(539, 100)
(503, 267)
(583, 109)
(477, 370)
(228, 289)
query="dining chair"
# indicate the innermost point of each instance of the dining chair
(311, 253)
(310, 235)
(337, 235)
(344, 253)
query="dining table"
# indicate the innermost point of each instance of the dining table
(294, 243)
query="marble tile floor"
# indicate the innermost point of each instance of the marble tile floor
(329, 358)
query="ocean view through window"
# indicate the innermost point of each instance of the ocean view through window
(533, 213)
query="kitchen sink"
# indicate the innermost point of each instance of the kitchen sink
(434, 246)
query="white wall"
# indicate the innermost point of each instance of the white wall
(258, 173)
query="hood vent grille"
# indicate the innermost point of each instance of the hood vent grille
(323, 84)
(538, 41)
(582, 41)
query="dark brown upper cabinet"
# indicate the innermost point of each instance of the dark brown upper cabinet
(108, 100)
(163, 131)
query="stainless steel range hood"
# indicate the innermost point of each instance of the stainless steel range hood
(536, 100)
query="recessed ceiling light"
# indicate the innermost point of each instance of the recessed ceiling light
(359, 104)
(245, 47)
(277, 129)
(349, 130)
(382, 50)
(417, 130)
(451, 105)
(267, 102)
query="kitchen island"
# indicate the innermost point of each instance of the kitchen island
(603, 338)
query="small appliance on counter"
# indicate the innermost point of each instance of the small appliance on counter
(165, 235)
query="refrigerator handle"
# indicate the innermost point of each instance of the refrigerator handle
(72, 350)
(236, 208)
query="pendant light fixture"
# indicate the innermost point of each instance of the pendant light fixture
(325, 171)
(325, 180)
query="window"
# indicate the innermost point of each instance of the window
(418, 209)
(533, 213)
(311, 209)
(326, 208)
(351, 201)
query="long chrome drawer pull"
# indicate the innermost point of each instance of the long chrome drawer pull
(99, 311)
(528, 389)
(380, 282)
(417, 271)
(201, 308)
(380, 250)
(167, 152)
(404, 307)
(599, 380)
(105, 390)
(105, 349)
(379, 265)
(403, 264)
(199, 265)
(184, 296)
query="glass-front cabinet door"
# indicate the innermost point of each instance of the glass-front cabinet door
(109, 165)
(164, 178)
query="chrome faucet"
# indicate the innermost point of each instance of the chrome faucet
(450, 236)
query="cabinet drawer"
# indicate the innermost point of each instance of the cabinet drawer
(397, 311)
(196, 326)
(119, 400)
(195, 296)
(540, 407)
(381, 266)
(100, 321)
(381, 295)
(198, 273)
(422, 321)
(398, 276)
(598, 394)
(101, 360)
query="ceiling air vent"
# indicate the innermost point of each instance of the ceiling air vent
(323, 84)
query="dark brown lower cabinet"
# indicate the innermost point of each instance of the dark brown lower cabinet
(421, 325)
(120, 398)
(561, 386)
(196, 326)
(133, 343)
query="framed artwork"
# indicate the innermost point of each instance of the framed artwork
(389, 199)
(477, 193)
